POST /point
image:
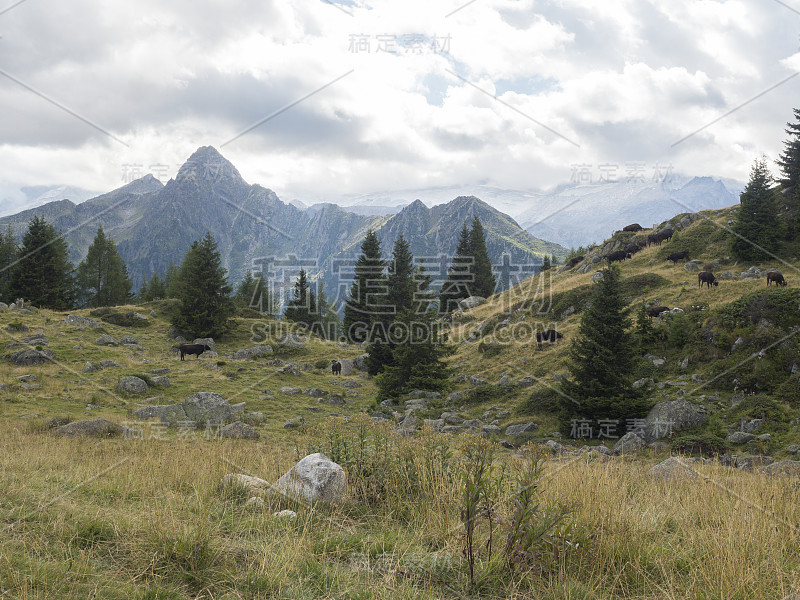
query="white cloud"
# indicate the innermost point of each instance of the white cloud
(624, 80)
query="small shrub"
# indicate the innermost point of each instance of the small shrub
(704, 444)
(761, 407)
(542, 400)
(321, 364)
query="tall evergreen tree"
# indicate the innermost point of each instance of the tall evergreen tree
(203, 291)
(757, 223)
(460, 275)
(546, 263)
(789, 161)
(484, 281)
(302, 308)
(154, 289)
(327, 323)
(43, 274)
(102, 278)
(602, 361)
(8, 256)
(253, 293)
(366, 302)
(172, 280)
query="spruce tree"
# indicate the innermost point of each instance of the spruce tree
(203, 291)
(252, 293)
(327, 320)
(460, 275)
(302, 307)
(789, 161)
(43, 274)
(102, 278)
(545, 263)
(757, 223)
(8, 256)
(172, 280)
(484, 282)
(602, 361)
(366, 302)
(156, 288)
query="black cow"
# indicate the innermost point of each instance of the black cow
(336, 367)
(619, 255)
(575, 260)
(655, 311)
(776, 277)
(632, 248)
(708, 278)
(661, 236)
(548, 335)
(676, 256)
(633, 227)
(197, 349)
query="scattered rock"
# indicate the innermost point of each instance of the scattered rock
(208, 406)
(748, 463)
(30, 357)
(360, 362)
(129, 339)
(285, 514)
(287, 389)
(665, 418)
(477, 381)
(350, 384)
(251, 484)
(207, 341)
(674, 467)
(316, 393)
(291, 341)
(254, 418)
(527, 381)
(471, 302)
(255, 503)
(644, 381)
(294, 423)
(254, 352)
(239, 431)
(630, 442)
(739, 437)
(93, 428)
(521, 428)
(782, 467)
(106, 340)
(315, 478)
(132, 385)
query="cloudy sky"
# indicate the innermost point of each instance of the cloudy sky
(369, 95)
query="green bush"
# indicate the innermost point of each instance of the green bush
(120, 318)
(761, 407)
(322, 363)
(489, 393)
(776, 305)
(542, 400)
(705, 444)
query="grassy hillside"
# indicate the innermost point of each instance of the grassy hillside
(147, 518)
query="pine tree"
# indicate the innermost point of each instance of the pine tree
(417, 361)
(156, 288)
(172, 281)
(43, 274)
(8, 256)
(484, 282)
(203, 291)
(545, 263)
(327, 323)
(602, 361)
(460, 275)
(102, 278)
(366, 302)
(302, 308)
(789, 161)
(252, 293)
(757, 225)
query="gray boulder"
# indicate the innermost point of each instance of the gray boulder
(287, 389)
(294, 423)
(674, 467)
(129, 339)
(630, 442)
(30, 357)
(748, 463)
(315, 478)
(471, 302)
(348, 366)
(360, 362)
(739, 437)
(132, 385)
(316, 393)
(525, 382)
(782, 467)
(239, 431)
(207, 341)
(92, 428)
(254, 352)
(208, 406)
(665, 418)
(290, 341)
(159, 381)
(476, 381)
(251, 484)
(350, 384)
(726, 275)
(521, 428)
(254, 418)
(106, 340)
(155, 411)
(79, 321)
(89, 368)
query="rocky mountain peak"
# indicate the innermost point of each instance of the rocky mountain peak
(206, 164)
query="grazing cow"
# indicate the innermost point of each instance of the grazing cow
(336, 367)
(662, 236)
(575, 260)
(775, 276)
(676, 256)
(666, 234)
(655, 311)
(619, 255)
(707, 278)
(197, 349)
(548, 335)
(632, 249)
(634, 227)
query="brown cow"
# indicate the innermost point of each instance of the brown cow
(707, 278)
(776, 277)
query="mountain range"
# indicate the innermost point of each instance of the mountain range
(154, 224)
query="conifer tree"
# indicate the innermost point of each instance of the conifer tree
(602, 361)
(757, 225)
(172, 280)
(43, 274)
(202, 288)
(302, 308)
(366, 302)
(327, 323)
(789, 160)
(155, 289)
(8, 255)
(102, 278)
(484, 282)
(545, 263)
(460, 275)
(252, 293)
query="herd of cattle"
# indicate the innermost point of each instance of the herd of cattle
(656, 239)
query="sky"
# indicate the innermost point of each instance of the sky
(315, 98)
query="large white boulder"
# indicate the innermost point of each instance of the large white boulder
(315, 478)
